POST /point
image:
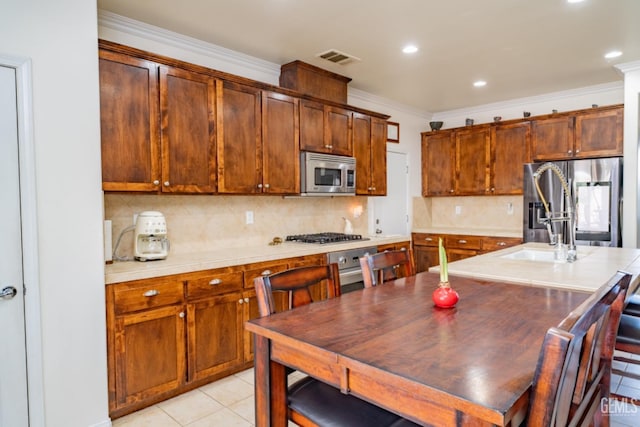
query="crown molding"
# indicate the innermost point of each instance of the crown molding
(382, 103)
(135, 28)
(517, 102)
(628, 67)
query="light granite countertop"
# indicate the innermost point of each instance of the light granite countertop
(470, 231)
(593, 268)
(227, 257)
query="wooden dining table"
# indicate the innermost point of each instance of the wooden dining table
(468, 365)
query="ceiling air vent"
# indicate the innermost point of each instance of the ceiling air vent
(338, 57)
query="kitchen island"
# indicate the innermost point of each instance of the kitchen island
(532, 264)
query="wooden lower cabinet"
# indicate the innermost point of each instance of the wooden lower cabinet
(171, 334)
(457, 246)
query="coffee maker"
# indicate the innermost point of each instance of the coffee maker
(150, 239)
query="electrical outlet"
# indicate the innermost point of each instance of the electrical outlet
(458, 210)
(509, 208)
(248, 217)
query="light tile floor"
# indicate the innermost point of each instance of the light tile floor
(229, 403)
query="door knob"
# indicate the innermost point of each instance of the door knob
(8, 292)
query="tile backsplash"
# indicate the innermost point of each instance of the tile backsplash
(481, 212)
(200, 223)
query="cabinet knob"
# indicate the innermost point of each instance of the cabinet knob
(265, 273)
(462, 241)
(240, 301)
(156, 182)
(259, 185)
(266, 186)
(502, 244)
(570, 152)
(428, 239)
(493, 189)
(246, 300)
(215, 282)
(577, 151)
(151, 293)
(451, 191)
(167, 183)
(181, 314)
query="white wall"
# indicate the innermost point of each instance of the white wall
(60, 39)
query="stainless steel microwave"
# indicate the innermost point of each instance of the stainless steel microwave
(327, 174)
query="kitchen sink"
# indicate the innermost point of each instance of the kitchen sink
(532, 255)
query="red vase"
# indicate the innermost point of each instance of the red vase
(444, 296)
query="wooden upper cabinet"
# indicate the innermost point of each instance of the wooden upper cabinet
(280, 142)
(239, 139)
(129, 123)
(438, 163)
(378, 157)
(599, 133)
(338, 130)
(552, 138)
(583, 134)
(187, 107)
(325, 128)
(370, 151)
(510, 150)
(473, 158)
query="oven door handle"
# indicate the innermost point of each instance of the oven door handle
(350, 276)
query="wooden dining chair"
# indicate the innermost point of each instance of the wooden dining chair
(384, 266)
(628, 341)
(573, 374)
(313, 403)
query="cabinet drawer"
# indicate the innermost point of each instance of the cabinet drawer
(463, 242)
(263, 269)
(496, 243)
(425, 239)
(214, 282)
(145, 295)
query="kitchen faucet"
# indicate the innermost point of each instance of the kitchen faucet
(555, 239)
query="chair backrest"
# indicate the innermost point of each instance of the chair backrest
(573, 374)
(296, 284)
(384, 266)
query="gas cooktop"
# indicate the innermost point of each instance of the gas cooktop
(322, 238)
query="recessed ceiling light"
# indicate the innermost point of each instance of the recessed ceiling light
(613, 54)
(480, 83)
(575, 1)
(410, 49)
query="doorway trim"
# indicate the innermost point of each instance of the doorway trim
(29, 221)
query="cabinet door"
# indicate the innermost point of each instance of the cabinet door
(552, 138)
(187, 106)
(473, 158)
(362, 153)
(251, 311)
(378, 157)
(280, 136)
(599, 133)
(510, 148)
(149, 353)
(129, 123)
(425, 257)
(438, 164)
(338, 130)
(312, 127)
(215, 335)
(239, 139)
(454, 254)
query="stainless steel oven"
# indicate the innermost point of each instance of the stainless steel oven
(349, 266)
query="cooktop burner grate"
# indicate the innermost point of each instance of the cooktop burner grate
(321, 238)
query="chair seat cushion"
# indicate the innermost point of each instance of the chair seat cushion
(328, 407)
(629, 330)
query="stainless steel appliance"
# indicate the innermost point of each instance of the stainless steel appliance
(596, 191)
(349, 267)
(150, 237)
(327, 174)
(348, 260)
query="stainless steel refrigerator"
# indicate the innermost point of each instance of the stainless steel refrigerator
(596, 190)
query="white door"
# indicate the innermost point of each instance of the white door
(13, 370)
(391, 212)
